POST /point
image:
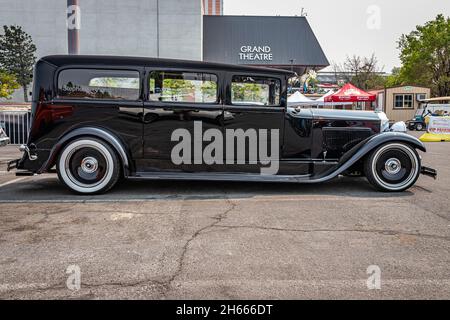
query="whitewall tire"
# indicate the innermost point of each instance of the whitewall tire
(393, 167)
(88, 166)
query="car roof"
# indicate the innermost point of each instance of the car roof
(63, 60)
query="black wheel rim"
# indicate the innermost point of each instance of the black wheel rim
(394, 166)
(87, 166)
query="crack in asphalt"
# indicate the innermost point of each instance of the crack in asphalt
(160, 286)
(427, 209)
(386, 232)
(217, 219)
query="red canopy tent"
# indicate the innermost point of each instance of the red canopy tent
(350, 93)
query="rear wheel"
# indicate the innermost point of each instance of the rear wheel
(392, 167)
(419, 127)
(88, 166)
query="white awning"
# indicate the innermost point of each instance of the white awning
(298, 99)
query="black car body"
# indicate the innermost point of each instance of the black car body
(97, 118)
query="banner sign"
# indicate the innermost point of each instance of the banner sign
(439, 125)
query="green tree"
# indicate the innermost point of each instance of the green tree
(209, 91)
(8, 84)
(177, 88)
(17, 55)
(244, 92)
(362, 72)
(425, 56)
(394, 78)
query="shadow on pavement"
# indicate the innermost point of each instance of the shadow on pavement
(48, 188)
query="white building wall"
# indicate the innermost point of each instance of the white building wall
(112, 27)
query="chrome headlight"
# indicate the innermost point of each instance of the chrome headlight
(399, 127)
(384, 121)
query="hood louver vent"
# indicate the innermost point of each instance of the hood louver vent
(340, 140)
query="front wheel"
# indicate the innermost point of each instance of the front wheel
(392, 167)
(88, 166)
(419, 127)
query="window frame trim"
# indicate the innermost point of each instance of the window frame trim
(239, 105)
(148, 77)
(403, 95)
(139, 70)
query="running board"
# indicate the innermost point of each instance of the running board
(221, 177)
(24, 174)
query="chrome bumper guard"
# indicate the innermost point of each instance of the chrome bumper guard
(24, 148)
(14, 164)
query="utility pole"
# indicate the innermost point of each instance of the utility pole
(157, 28)
(73, 26)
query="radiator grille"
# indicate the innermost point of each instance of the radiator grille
(343, 139)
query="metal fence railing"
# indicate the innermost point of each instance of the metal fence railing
(16, 125)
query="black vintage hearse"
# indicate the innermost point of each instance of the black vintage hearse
(97, 119)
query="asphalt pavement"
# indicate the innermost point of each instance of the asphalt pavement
(224, 240)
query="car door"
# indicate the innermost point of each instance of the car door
(254, 107)
(179, 102)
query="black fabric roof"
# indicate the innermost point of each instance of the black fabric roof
(290, 38)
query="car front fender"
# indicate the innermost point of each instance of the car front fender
(363, 148)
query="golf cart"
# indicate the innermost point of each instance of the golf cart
(429, 107)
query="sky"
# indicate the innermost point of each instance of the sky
(348, 27)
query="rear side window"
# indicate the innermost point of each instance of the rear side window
(259, 91)
(98, 84)
(176, 86)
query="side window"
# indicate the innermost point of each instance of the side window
(177, 86)
(399, 101)
(403, 101)
(408, 101)
(98, 84)
(249, 90)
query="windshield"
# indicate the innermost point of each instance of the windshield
(419, 112)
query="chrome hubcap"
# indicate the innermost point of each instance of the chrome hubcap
(89, 165)
(393, 166)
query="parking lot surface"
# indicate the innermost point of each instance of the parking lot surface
(223, 240)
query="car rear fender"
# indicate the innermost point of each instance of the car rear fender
(100, 133)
